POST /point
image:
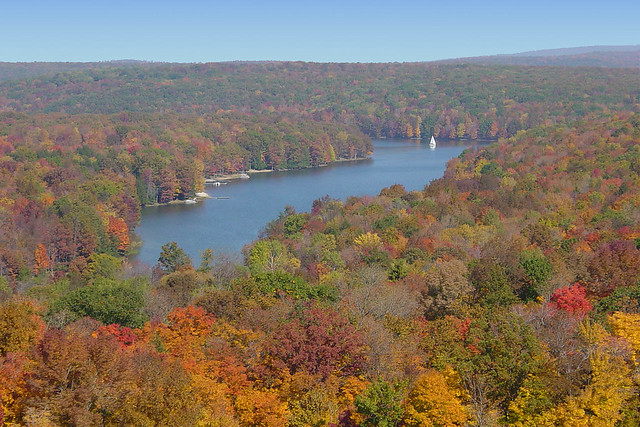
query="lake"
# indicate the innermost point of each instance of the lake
(226, 225)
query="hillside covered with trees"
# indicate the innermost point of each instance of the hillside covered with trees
(504, 293)
(74, 185)
(392, 100)
(25, 70)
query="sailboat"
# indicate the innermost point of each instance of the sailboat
(432, 143)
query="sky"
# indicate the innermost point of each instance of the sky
(301, 30)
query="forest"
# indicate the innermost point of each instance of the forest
(505, 293)
(393, 100)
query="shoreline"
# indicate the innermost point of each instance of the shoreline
(239, 175)
(198, 197)
(250, 214)
(242, 175)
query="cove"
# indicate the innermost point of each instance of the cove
(226, 225)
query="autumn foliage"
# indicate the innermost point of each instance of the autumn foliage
(41, 259)
(506, 292)
(320, 342)
(571, 299)
(119, 230)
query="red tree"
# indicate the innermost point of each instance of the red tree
(319, 341)
(571, 299)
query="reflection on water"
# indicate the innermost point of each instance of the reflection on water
(226, 225)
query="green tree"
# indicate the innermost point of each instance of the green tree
(293, 224)
(270, 256)
(493, 284)
(105, 300)
(179, 286)
(502, 352)
(398, 270)
(173, 258)
(537, 270)
(380, 404)
(5, 290)
(104, 266)
(206, 260)
(296, 287)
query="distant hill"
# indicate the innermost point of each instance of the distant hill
(568, 51)
(589, 56)
(25, 70)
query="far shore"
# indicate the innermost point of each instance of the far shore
(239, 175)
(198, 196)
(228, 177)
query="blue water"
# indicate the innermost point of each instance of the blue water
(227, 225)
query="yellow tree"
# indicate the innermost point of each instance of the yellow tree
(261, 408)
(627, 326)
(418, 122)
(368, 241)
(432, 402)
(601, 402)
(20, 327)
(533, 407)
(408, 130)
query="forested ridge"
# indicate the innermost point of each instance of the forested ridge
(393, 100)
(591, 56)
(505, 293)
(24, 70)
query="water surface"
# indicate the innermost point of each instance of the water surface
(226, 225)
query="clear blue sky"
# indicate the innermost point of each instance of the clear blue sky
(320, 30)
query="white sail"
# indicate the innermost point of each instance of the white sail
(432, 143)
